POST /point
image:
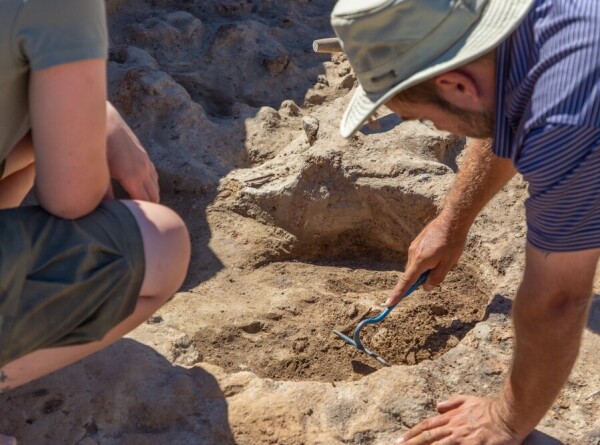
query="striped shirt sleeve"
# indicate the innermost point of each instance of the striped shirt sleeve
(562, 165)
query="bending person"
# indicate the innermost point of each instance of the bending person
(523, 76)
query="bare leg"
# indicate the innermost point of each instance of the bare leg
(167, 252)
(17, 180)
(18, 176)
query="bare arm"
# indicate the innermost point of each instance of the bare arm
(68, 111)
(481, 176)
(439, 246)
(550, 313)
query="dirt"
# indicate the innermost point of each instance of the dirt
(295, 232)
(295, 340)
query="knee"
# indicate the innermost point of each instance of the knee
(166, 248)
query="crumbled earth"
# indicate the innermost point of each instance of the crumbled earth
(296, 232)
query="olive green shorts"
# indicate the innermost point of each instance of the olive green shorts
(66, 282)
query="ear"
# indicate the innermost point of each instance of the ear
(459, 89)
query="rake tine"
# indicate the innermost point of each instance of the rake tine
(355, 340)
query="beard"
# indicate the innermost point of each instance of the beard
(478, 125)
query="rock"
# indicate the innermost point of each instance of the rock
(352, 311)
(348, 82)
(310, 124)
(276, 64)
(155, 318)
(176, 27)
(314, 97)
(269, 117)
(322, 79)
(253, 328)
(289, 108)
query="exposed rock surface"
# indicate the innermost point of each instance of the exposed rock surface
(291, 240)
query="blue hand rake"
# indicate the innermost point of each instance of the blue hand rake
(355, 340)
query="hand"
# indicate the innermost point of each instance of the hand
(128, 162)
(438, 247)
(463, 420)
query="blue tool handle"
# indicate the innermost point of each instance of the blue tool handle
(413, 288)
(386, 312)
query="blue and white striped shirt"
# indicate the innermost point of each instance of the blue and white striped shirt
(548, 120)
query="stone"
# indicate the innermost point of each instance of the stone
(310, 124)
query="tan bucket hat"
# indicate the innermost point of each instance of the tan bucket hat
(393, 45)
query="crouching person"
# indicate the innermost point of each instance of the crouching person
(76, 272)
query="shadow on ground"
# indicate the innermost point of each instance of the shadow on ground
(126, 395)
(594, 317)
(539, 438)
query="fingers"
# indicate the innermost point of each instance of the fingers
(434, 249)
(153, 196)
(409, 278)
(151, 186)
(153, 192)
(450, 404)
(427, 432)
(145, 188)
(432, 436)
(416, 268)
(142, 191)
(436, 276)
(129, 162)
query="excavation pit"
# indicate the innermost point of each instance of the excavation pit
(364, 233)
(346, 244)
(294, 340)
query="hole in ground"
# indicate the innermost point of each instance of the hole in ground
(365, 224)
(294, 341)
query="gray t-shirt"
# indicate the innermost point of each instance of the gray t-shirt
(38, 34)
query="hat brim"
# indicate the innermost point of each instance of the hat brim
(498, 21)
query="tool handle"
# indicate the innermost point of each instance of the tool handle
(413, 288)
(329, 45)
(387, 310)
(385, 313)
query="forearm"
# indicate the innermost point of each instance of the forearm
(549, 322)
(440, 244)
(482, 174)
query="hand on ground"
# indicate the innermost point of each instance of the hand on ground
(436, 248)
(128, 162)
(463, 420)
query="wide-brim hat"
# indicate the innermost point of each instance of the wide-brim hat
(393, 45)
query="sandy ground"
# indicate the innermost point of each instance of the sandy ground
(291, 239)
